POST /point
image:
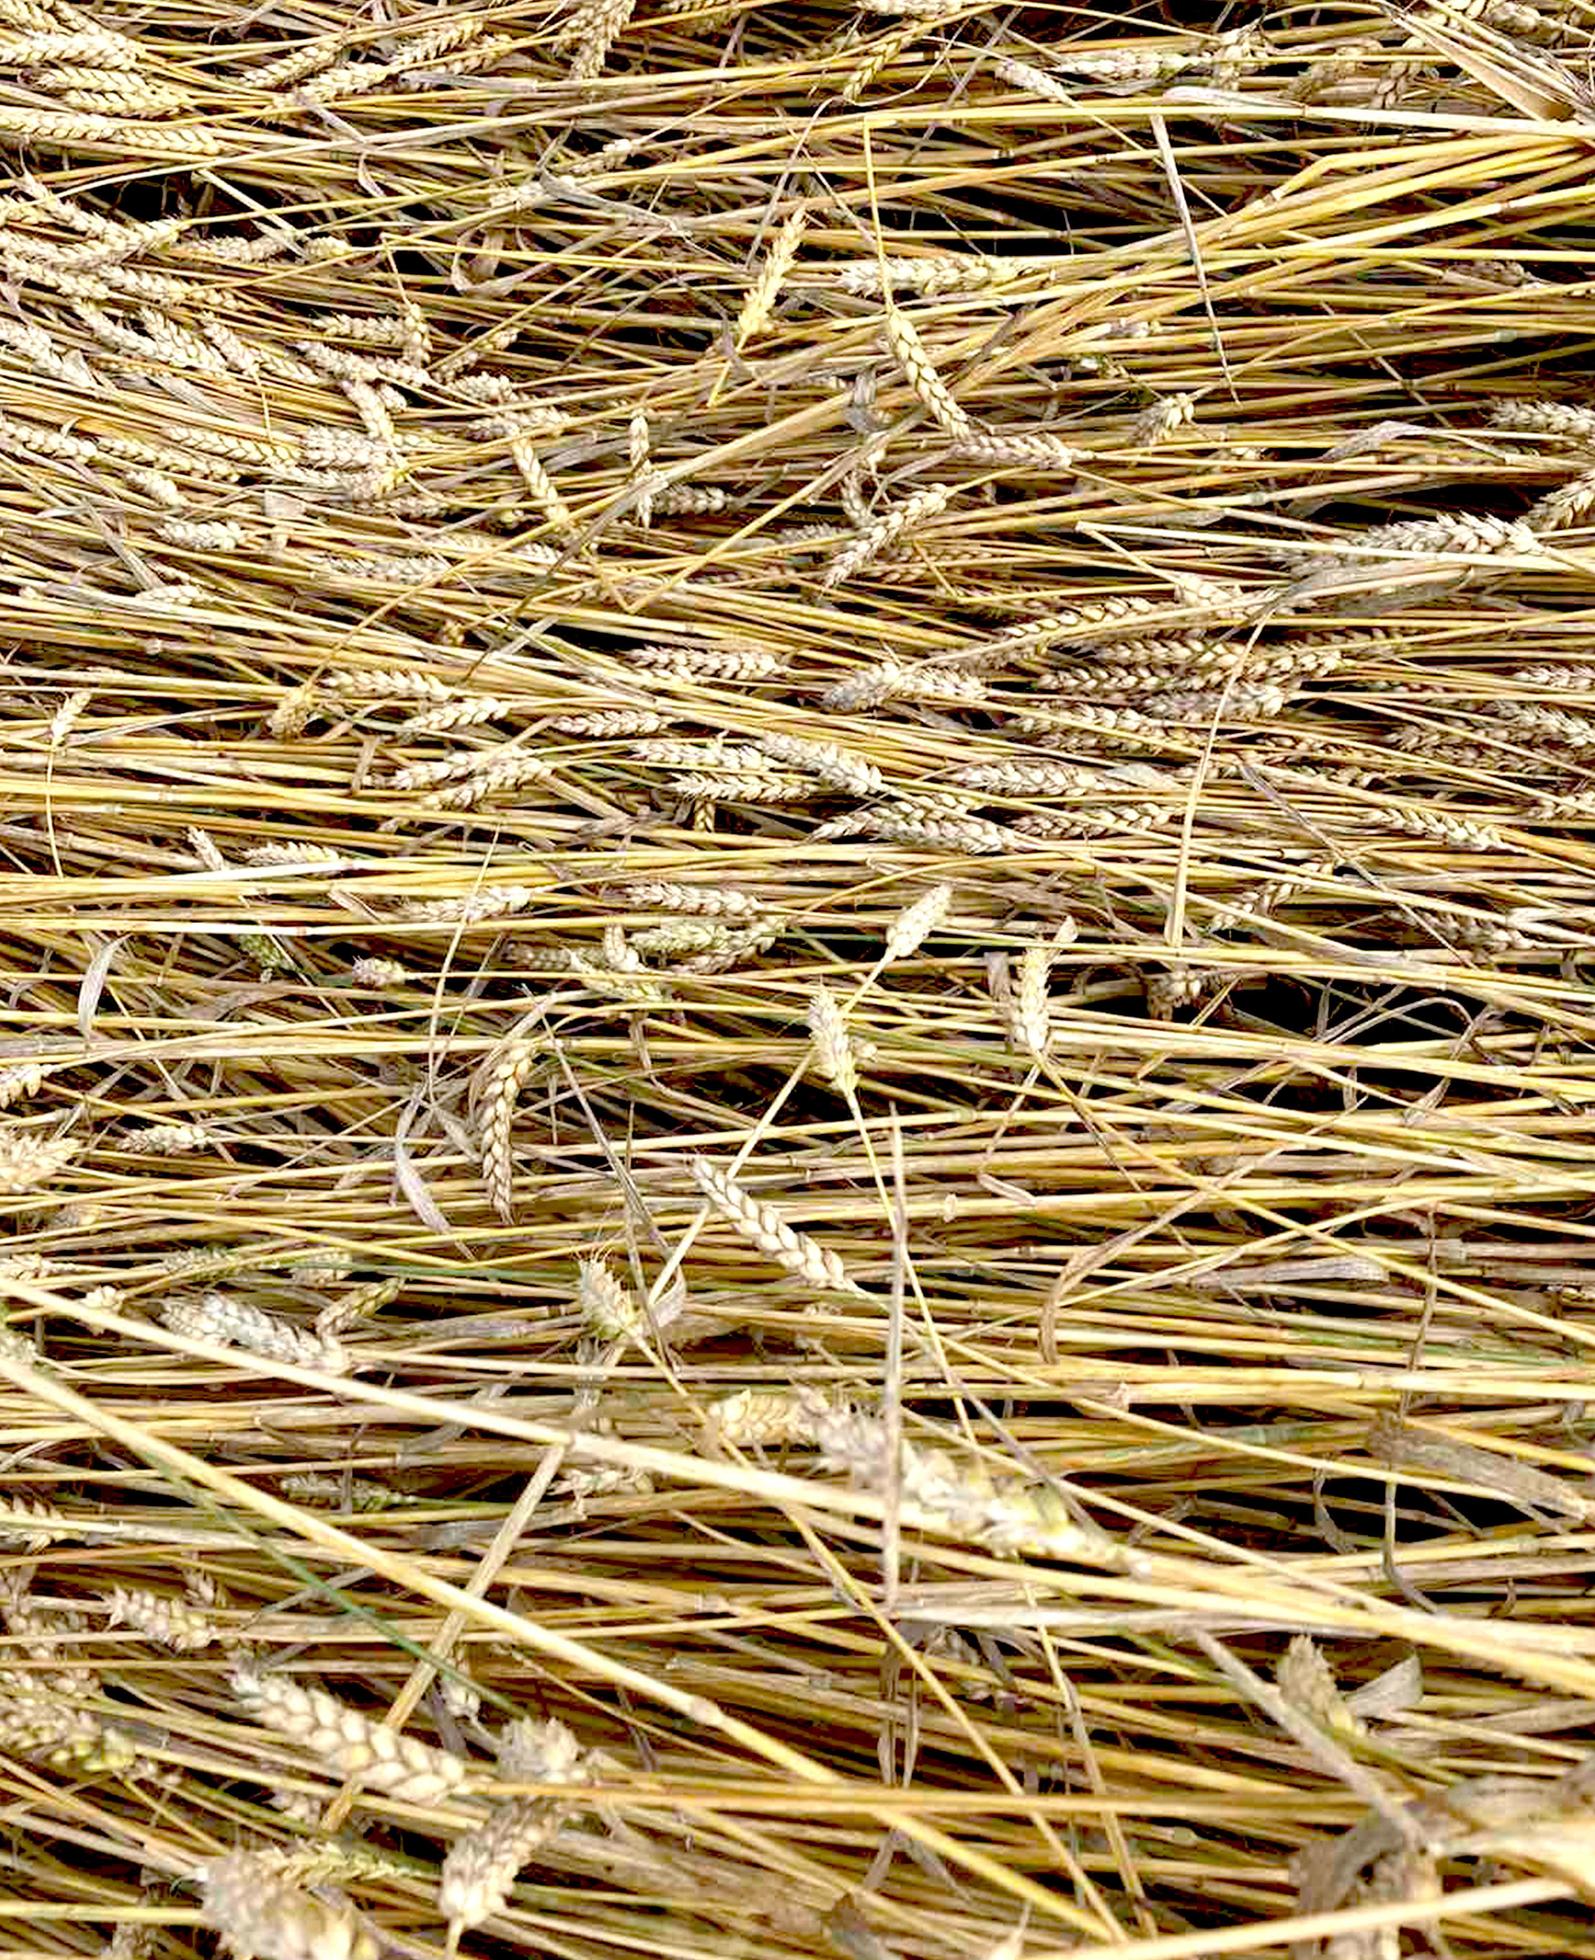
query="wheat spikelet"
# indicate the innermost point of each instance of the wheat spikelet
(20, 1349)
(677, 937)
(494, 1093)
(717, 663)
(833, 1045)
(501, 773)
(594, 30)
(1236, 703)
(764, 1418)
(491, 902)
(672, 752)
(327, 1861)
(1126, 819)
(37, 1720)
(528, 1751)
(166, 1139)
(1028, 448)
(886, 529)
(759, 301)
(1550, 724)
(354, 1493)
(262, 1917)
(738, 946)
(1031, 1025)
(468, 711)
(1561, 508)
(1307, 1682)
(385, 683)
(235, 1323)
(1566, 419)
(909, 823)
(28, 1159)
(927, 386)
(609, 1311)
(960, 1496)
(735, 786)
(167, 1621)
(544, 492)
(18, 1083)
(712, 900)
(1161, 419)
(378, 973)
(345, 1741)
(480, 1869)
(916, 922)
(831, 763)
(1458, 531)
(1560, 679)
(290, 851)
(763, 1226)
(611, 721)
(1179, 986)
(934, 273)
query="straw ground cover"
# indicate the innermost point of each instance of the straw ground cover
(797, 1042)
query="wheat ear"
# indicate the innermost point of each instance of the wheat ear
(762, 1225)
(346, 1741)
